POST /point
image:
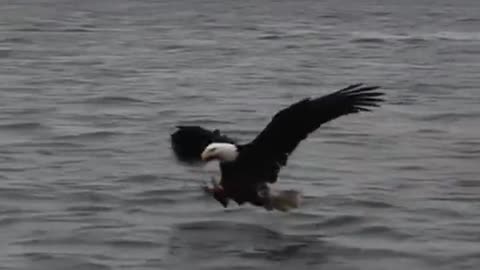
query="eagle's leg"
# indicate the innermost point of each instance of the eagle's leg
(217, 191)
(215, 183)
(214, 187)
(207, 188)
(263, 192)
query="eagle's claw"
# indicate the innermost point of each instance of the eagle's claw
(207, 188)
(215, 186)
(214, 182)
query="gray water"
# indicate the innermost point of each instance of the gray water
(90, 91)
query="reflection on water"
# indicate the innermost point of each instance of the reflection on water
(232, 241)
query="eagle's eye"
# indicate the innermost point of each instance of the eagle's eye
(212, 149)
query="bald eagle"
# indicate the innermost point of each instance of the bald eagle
(248, 169)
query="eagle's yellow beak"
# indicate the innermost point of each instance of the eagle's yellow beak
(205, 156)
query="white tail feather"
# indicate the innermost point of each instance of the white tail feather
(284, 200)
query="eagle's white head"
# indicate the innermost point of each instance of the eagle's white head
(220, 151)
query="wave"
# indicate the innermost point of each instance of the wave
(381, 230)
(449, 116)
(132, 243)
(89, 209)
(113, 100)
(50, 260)
(22, 126)
(90, 135)
(16, 40)
(205, 122)
(53, 29)
(214, 225)
(379, 37)
(270, 37)
(140, 178)
(342, 220)
(460, 36)
(157, 196)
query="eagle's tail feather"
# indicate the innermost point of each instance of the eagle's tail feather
(285, 200)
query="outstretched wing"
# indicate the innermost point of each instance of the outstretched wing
(188, 142)
(270, 149)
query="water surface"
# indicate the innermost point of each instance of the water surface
(91, 90)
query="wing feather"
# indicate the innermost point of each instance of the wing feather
(270, 149)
